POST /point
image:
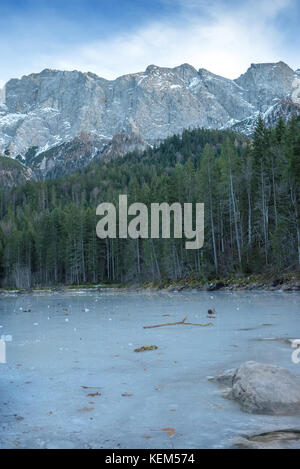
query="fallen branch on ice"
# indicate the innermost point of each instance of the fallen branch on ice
(179, 323)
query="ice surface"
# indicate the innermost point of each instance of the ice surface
(51, 369)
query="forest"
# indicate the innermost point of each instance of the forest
(251, 192)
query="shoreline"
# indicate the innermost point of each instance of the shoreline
(285, 282)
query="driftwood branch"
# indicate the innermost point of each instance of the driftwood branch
(179, 323)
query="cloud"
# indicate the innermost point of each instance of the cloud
(223, 40)
(223, 37)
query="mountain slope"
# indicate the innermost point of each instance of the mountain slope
(285, 108)
(49, 110)
(266, 83)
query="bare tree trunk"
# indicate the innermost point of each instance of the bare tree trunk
(230, 221)
(212, 220)
(138, 257)
(179, 265)
(249, 219)
(222, 232)
(274, 195)
(112, 260)
(294, 202)
(264, 213)
(235, 218)
(107, 258)
(155, 259)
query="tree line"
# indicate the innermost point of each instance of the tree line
(250, 189)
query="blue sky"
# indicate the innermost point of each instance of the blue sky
(114, 37)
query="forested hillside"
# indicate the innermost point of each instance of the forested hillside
(12, 172)
(251, 192)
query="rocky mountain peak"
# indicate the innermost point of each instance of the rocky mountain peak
(186, 73)
(185, 68)
(153, 69)
(266, 82)
(49, 110)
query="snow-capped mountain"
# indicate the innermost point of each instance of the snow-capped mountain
(42, 114)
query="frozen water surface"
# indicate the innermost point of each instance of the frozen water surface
(67, 346)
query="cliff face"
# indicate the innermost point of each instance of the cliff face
(48, 110)
(266, 83)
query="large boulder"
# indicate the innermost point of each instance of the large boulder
(265, 389)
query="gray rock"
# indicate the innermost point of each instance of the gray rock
(225, 378)
(278, 439)
(264, 84)
(52, 108)
(215, 286)
(266, 389)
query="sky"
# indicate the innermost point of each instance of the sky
(115, 37)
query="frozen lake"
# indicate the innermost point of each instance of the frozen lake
(73, 380)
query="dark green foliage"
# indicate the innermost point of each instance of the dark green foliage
(251, 196)
(8, 164)
(11, 172)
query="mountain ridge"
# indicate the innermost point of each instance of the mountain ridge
(48, 109)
